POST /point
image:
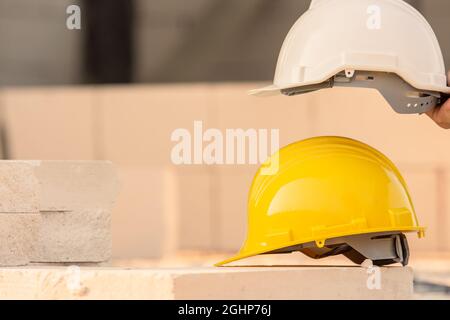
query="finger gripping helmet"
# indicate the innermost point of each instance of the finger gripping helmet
(331, 196)
(380, 44)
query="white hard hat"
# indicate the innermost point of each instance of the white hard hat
(363, 43)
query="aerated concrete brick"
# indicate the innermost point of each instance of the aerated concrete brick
(19, 188)
(73, 200)
(76, 203)
(75, 185)
(17, 238)
(74, 236)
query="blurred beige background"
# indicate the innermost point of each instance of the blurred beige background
(187, 63)
(164, 208)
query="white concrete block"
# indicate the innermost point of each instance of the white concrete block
(77, 198)
(74, 236)
(203, 283)
(77, 185)
(19, 188)
(17, 238)
(74, 199)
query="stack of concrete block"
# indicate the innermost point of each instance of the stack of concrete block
(56, 211)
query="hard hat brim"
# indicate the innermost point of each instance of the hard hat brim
(267, 91)
(396, 91)
(243, 255)
(273, 90)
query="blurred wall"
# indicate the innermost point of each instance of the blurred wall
(108, 41)
(211, 40)
(35, 45)
(438, 13)
(204, 40)
(163, 207)
(216, 40)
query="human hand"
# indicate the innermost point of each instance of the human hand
(441, 114)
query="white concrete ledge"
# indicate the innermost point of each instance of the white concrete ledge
(203, 283)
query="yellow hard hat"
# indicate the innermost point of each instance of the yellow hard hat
(329, 196)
